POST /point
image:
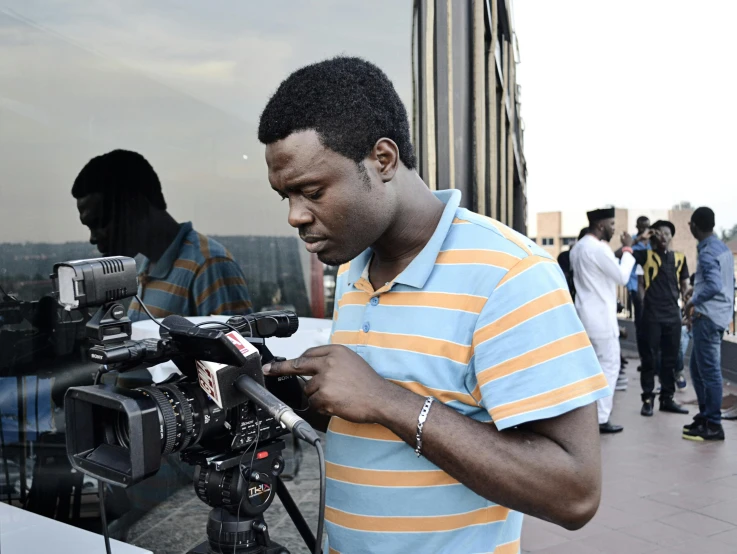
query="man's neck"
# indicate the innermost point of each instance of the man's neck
(161, 230)
(417, 217)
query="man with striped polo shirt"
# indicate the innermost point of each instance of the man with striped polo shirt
(460, 381)
(119, 199)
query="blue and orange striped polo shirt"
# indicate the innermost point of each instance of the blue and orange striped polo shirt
(196, 276)
(481, 320)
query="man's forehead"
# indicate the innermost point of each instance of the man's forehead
(296, 156)
(90, 202)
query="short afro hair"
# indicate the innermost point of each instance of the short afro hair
(349, 102)
(704, 220)
(118, 172)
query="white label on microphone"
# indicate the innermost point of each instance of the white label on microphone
(207, 376)
(246, 348)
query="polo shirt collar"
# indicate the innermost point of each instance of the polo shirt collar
(162, 268)
(418, 271)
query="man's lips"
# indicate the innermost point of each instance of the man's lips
(314, 244)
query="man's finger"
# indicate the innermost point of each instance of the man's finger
(298, 366)
(318, 351)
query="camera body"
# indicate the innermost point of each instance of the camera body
(119, 435)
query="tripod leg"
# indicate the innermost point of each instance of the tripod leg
(294, 513)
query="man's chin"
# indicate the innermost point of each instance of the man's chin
(332, 260)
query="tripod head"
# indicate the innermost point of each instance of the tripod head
(240, 489)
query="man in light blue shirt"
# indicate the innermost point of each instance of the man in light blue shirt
(711, 309)
(643, 224)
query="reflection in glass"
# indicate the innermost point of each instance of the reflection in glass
(183, 84)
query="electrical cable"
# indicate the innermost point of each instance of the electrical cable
(248, 481)
(148, 313)
(101, 490)
(321, 512)
(105, 531)
(221, 323)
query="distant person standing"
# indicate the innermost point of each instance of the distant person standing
(119, 199)
(564, 261)
(711, 309)
(596, 275)
(633, 285)
(665, 274)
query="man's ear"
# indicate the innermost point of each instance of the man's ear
(385, 158)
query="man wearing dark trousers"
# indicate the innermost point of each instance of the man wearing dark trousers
(665, 272)
(710, 310)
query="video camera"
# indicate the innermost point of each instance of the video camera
(213, 413)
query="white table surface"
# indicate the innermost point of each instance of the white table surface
(24, 532)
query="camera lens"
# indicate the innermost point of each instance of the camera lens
(122, 430)
(185, 414)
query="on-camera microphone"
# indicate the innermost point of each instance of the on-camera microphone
(230, 382)
(275, 323)
(280, 411)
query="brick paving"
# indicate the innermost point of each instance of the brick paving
(661, 494)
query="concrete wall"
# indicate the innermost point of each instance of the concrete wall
(683, 241)
(549, 226)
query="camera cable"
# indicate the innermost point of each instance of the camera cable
(101, 493)
(148, 313)
(321, 512)
(248, 481)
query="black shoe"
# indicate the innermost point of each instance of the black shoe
(705, 432)
(670, 405)
(647, 408)
(698, 421)
(607, 428)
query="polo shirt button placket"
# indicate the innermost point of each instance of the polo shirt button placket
(375, 301)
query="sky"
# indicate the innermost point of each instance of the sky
(631, 103)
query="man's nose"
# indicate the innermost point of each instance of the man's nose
(299, 215)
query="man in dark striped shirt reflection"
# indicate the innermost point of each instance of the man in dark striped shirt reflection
(119, 199)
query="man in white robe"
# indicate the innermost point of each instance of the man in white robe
(596, 274)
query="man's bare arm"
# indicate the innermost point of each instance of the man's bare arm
(550, 469)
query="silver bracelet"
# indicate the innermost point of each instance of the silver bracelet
(420, 422)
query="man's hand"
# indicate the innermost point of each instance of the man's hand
(689, 310)
(342, 383)
(645, 236)
(627, 240)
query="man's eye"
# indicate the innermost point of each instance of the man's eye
(312, 195)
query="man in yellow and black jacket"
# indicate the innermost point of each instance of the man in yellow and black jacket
(666, 278)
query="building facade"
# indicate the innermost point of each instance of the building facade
(468, 131)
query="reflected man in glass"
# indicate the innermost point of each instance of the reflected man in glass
(183, 272)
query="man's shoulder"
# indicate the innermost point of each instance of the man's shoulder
(474, 231)
(200, 249)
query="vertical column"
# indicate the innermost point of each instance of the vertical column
(493, 109)
(503, 133)
(480, 83)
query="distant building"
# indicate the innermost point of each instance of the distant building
(556, 231)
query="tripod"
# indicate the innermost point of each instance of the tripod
(240, 492)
